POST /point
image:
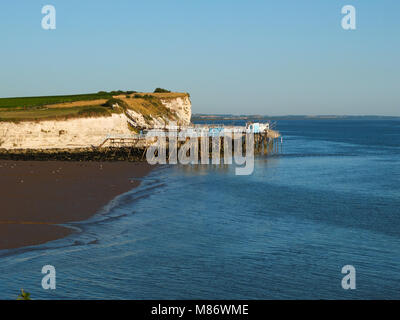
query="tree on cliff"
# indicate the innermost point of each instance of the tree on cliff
(161, 90)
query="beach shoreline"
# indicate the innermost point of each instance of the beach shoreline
(38, 196)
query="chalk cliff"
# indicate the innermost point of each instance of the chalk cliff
(89, 131)
(181, 106)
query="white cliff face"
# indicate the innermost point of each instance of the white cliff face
(72, 133)
(82, 132)
(182, 107)
(137, 120)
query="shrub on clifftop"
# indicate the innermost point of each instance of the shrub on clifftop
(161, 90)
(113, 101)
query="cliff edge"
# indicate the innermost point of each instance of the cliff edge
(85, 121)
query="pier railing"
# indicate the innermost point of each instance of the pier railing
(264, 142)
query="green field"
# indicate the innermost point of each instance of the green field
(40, 108)
(55, 114)
(33, 102)
(94, 104)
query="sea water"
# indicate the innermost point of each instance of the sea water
(330, 198)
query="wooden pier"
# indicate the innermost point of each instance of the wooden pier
(211, 139)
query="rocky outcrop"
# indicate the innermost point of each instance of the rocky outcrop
(177, 109)
(181, 106)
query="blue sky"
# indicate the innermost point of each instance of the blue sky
(240, 57)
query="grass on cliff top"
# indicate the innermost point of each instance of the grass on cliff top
(149, 106)
(34, 102)
(66, 107)
(163, 95)
(169, 95)
(55, 114)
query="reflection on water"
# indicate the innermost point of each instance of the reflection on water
(329, 200)
(202, 169)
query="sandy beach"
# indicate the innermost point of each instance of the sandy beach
(38, 195)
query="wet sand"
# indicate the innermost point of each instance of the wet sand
(38, 195)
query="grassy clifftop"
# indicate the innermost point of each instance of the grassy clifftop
(36, 102)
(83, 105)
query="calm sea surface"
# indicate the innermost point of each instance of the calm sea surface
(332, 198)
